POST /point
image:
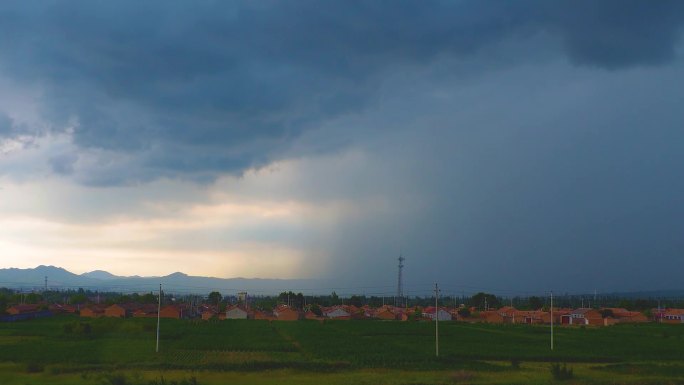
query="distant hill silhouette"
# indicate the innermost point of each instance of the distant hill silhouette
(100, 274)
(59, 278)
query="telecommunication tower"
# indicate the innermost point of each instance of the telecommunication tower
(400, 284)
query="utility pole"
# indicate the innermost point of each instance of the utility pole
(159, 315)
(551, 319)
(46, 283)
(436, 321)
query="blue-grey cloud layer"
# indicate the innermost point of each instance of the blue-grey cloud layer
(527, 144)
(205, 88)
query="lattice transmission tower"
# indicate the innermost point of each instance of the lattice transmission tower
(399, 299)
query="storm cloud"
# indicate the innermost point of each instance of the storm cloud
(201, 89)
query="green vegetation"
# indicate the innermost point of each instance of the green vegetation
(485, 301)
(561, 372)
(70, 350)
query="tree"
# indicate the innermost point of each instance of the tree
(648, 313)
(124, 299)
(316, 310)
(535, 303)
(626, 304)
(3, 303)
(643, 304)
(214, 297)
(295, 301)
(356, 300)
(480, 299)
(605, 313)
(148, 298)
(33, 298)
(79, 298)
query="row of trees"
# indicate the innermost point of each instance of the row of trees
(479, 301)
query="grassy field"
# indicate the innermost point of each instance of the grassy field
(69, 350)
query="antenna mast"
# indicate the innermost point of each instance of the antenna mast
(400, 285)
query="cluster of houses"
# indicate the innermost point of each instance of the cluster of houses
(504, 315)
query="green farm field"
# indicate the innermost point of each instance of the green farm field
(69, 350)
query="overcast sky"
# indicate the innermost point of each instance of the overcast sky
(509, 145)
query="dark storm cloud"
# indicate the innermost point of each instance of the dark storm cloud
(617, 34)
(203, 88)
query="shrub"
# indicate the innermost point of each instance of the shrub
(115, 379)
(68, 328)
(186, 381)
(462, 376)
(515, 363)
(561, 372)
(34, 367)
(77, 328)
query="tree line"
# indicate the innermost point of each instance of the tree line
(479, 301)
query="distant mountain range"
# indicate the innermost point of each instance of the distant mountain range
(59, 278)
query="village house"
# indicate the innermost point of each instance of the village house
(25, 312)
(672, 316)
(208, 314)
(336, 312)
(62, 309)
(23, 309)
(531, 317)
(286, 313)
(145, 311)
(490, 317)
(583, 316)
(174, 311)
(237, 312)
(385, 313)
(557, 315)
(94, 311)
(508, 314)
(442, 314)
(622, 315)
(120, 310)
(312, 316)
(263, 315)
